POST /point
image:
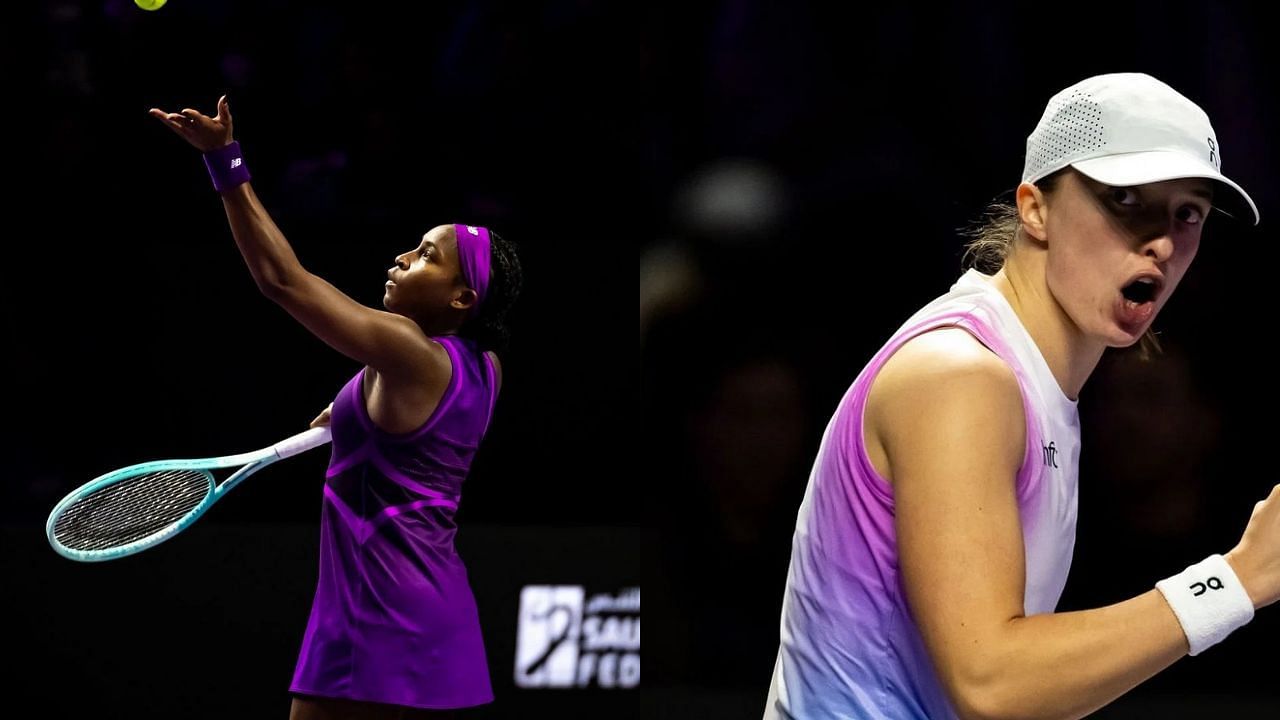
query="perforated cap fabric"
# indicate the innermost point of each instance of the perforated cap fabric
(1127, 129)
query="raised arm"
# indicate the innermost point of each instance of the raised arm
(394, 345)
(948, 419)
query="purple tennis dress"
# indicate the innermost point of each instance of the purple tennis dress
(394, 620)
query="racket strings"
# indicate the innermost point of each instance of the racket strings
(132, 509)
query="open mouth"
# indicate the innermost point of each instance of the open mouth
(1141, 291)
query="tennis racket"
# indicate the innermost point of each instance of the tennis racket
(140, 506)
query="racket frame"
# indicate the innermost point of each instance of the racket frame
(252, 462)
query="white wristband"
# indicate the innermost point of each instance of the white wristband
(1208, 600)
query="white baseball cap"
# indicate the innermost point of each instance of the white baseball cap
(1126, 129)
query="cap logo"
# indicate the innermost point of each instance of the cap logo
(1127, 129)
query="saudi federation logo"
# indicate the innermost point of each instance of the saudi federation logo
(547, 644)
(566, 640)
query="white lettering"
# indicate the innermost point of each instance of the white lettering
(629, 670)
(626, 601)
(610, 633)
(608, 664)
(586, 668)
(560, 645)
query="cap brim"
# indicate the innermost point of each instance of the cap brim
(1139, 168)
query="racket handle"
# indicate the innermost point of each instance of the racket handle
(302, 442)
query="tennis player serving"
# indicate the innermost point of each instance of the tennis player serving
(394, 630)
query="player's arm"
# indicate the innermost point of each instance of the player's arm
(391, 344)
(949, 415)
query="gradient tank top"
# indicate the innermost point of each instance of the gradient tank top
(849, 646)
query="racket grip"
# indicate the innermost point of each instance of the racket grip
(302, 442)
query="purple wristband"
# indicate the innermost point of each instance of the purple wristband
(226, 167)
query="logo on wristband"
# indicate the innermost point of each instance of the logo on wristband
(236, 163)
(1198, 589)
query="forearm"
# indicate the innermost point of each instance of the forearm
(266, 252)
(1066, 665)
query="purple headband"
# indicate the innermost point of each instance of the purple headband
(473, 255)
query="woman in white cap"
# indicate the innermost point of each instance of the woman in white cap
(938, 525)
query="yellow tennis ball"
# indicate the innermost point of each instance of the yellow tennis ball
(150, 4)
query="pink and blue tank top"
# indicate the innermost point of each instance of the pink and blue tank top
(849, 646)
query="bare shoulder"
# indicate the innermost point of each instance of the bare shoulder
(942, 389)
(947, 360)
(435, 365)
(427, 367)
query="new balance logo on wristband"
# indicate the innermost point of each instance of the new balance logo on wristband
(1198, 589)
(227, 167)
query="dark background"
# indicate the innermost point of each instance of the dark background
(792, 175)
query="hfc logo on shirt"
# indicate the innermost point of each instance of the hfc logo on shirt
(1050, 455)
(565, 640)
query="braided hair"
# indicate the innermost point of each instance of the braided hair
(489, 327)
